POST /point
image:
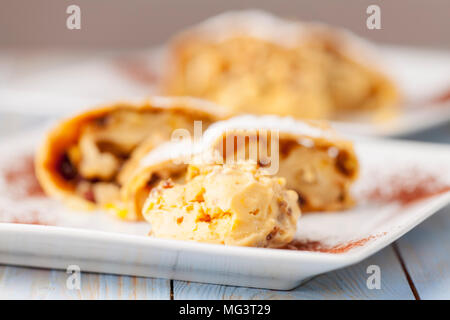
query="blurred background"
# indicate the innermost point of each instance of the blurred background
(47, 70)
(137, 24)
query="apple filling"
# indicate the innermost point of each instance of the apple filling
(108, 149)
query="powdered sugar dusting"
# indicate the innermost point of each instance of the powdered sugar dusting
(170, 151)
(254, 23)
(263, 25)
(306, 133)
(269, 122)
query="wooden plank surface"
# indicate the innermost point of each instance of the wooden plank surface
(348, 283)
(426, 255)
(29, 283)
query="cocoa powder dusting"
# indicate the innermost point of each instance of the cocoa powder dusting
(442, 98)
(22, 179)
(26, 217)
(408, 187)
(136, 70)
(32, 218)
(317, 246)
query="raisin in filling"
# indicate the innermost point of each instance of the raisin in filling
(67, 169)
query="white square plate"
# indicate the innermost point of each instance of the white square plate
(401, 184)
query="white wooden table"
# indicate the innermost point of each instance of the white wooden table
(416, 266)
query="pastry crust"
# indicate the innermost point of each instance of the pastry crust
(253, 62)
(315, 161)
(86, 158)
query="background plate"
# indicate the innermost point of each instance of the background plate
(59, 83)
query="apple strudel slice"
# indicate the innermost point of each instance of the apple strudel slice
(85, 159)
(318, 164)
(253, 62)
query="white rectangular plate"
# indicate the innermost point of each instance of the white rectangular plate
(400, 185)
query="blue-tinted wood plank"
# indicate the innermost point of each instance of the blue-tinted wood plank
(348, 283)
(426, 254)
(29, 283)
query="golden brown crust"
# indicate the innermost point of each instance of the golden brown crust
(67, 133)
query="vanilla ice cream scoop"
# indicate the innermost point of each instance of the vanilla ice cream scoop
(235, 204)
